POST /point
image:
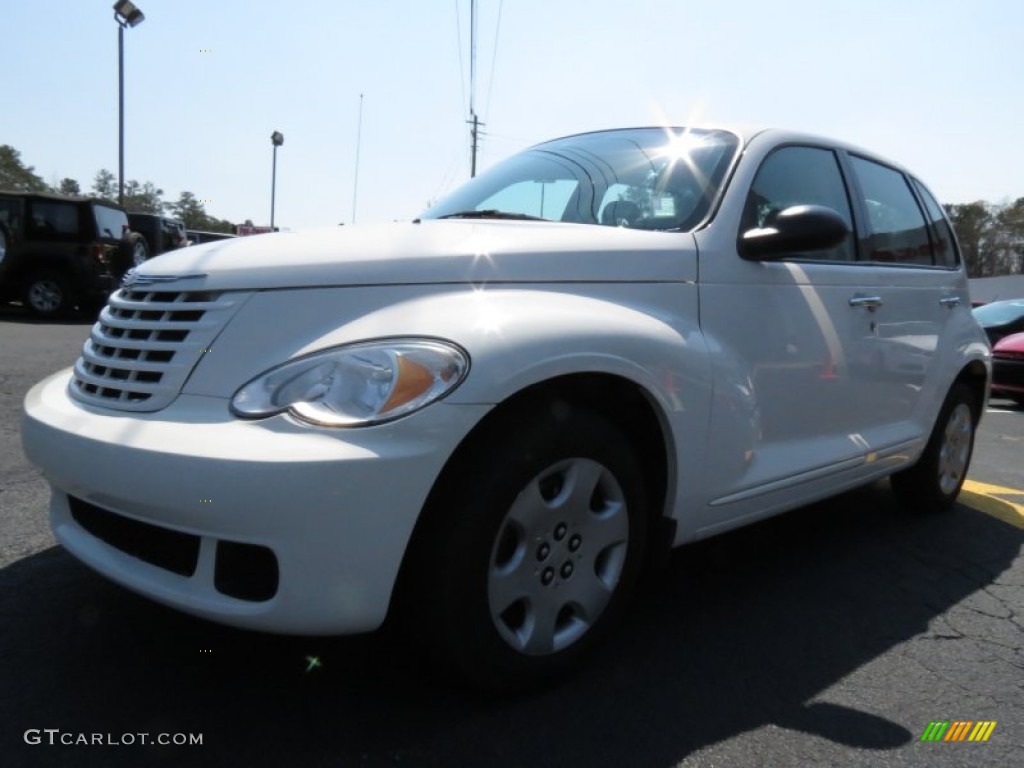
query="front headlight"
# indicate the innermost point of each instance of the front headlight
(356, 385)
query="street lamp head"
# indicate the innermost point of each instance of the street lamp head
(277, 138)
(126, 12)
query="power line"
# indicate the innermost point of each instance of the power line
(494, 59)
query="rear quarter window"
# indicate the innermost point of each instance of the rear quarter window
(110, 222)
(943, 239)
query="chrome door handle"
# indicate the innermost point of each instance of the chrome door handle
(950, 301)
(870, 303)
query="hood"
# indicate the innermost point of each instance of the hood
(433, 251)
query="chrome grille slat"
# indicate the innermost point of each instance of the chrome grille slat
(104, 383)
(146, 344)
(90, 356)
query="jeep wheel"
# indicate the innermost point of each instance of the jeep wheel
(137, 250)
(933, 484)
(48, 294)
(530, 549)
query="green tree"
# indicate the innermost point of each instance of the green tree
(1010, 221)
(104, 185)
(973, 225)
(68, 187)
(143, 198)
(220, 225)
(15, 175)
(189, 210)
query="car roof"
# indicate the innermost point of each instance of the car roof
(147, 214)
(749, 133)
(62, 198)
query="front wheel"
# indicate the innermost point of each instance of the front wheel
(532, 543)
(933, 484)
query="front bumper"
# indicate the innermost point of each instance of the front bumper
(336, 508)
(1007, 377)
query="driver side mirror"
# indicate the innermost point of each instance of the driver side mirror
(797, 229)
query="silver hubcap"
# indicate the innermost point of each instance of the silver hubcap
(44, 296)
(139, 254)
(558, 556)
(956, 447)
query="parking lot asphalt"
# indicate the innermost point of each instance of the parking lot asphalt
(832, 635)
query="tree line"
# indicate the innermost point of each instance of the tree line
(991, 236)
(138, 198)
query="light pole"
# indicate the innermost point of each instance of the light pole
(277, 139)
(126, 15)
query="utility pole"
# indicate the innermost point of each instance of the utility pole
(359, 139)
(474, 133)
(474, 120)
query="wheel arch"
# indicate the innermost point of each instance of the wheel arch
(976, 376)
(626, 404)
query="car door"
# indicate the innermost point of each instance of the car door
(911, 295)
(786, 415)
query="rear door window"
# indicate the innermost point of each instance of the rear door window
(898, 232)
(53, 219)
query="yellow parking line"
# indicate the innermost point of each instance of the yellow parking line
(986, 498)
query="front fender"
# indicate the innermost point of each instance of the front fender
(516, 336)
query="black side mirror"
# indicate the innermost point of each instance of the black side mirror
(797, 229)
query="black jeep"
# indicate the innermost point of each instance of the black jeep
(59, 252)
(161, 233)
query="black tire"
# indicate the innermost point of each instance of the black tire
(514, 512)
(134, 251)
(48, 294)
(934, 482)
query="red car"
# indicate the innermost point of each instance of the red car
(1008, 367)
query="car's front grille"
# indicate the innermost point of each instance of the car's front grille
(145, 345)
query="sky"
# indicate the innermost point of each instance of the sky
(932, 84)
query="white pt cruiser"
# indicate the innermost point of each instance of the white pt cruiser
(486, 420)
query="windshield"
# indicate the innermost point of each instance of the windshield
(999, 312)
(645, 178)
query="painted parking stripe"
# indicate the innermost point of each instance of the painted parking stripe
(995, 500)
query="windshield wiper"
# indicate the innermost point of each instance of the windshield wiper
(491, 213)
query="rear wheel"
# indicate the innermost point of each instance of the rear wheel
(933, 484)
(529, 550)
(48, 294)
(134, 251)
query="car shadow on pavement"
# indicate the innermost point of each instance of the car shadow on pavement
(741, 632)
(12, 313)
